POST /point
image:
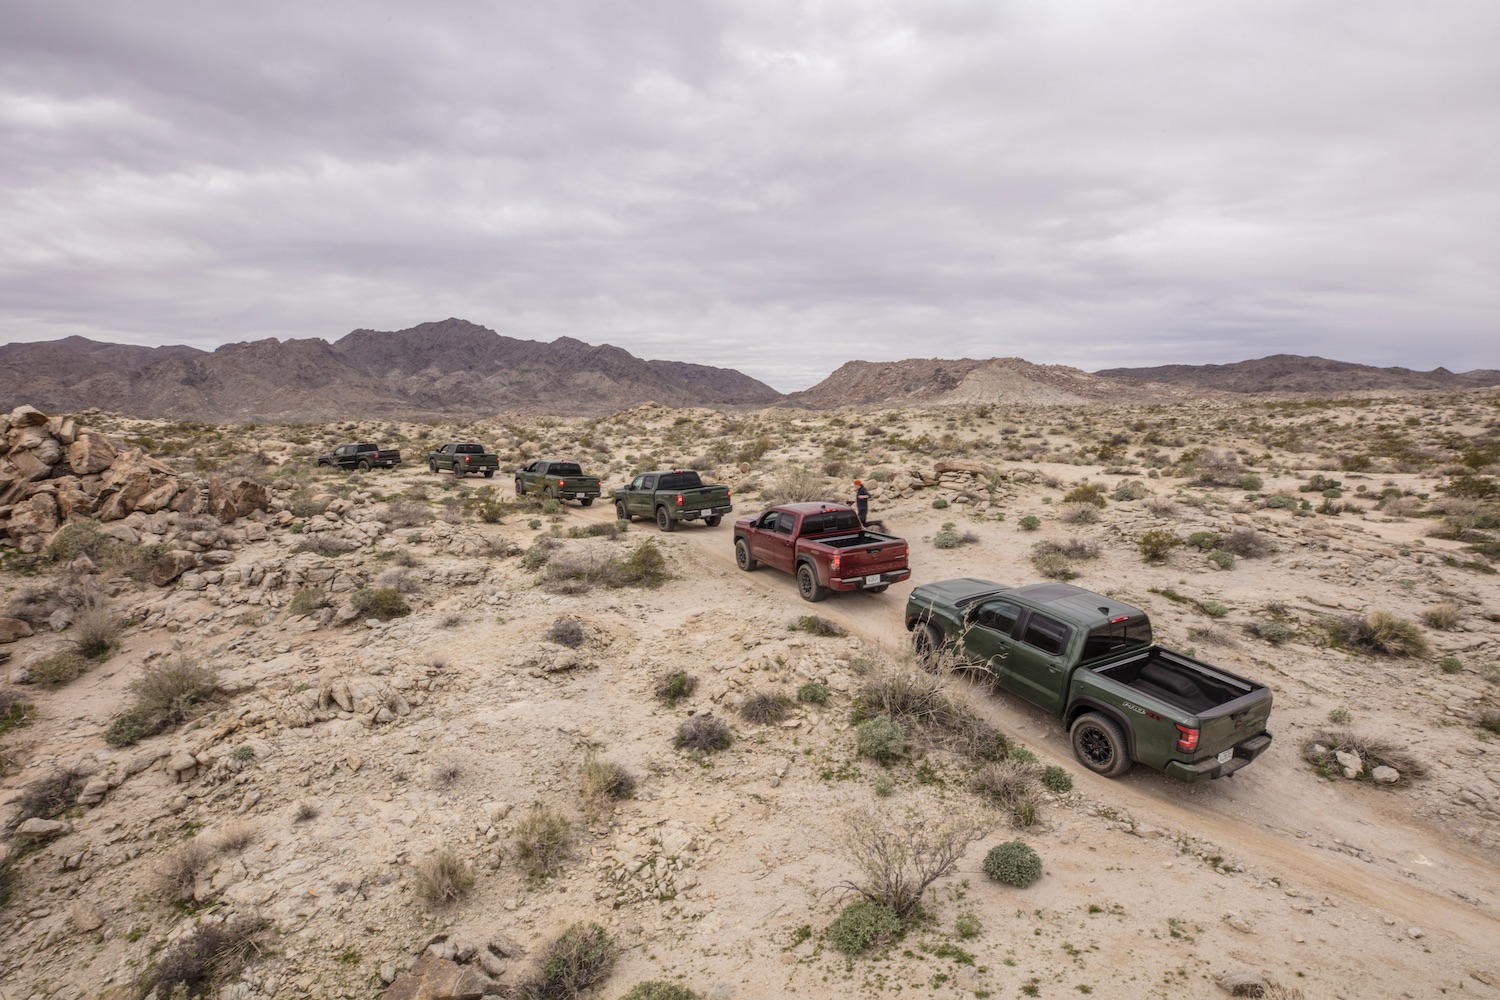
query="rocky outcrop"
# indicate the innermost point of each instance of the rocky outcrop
(52, 472)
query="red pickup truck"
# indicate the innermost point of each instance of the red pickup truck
(824, 545)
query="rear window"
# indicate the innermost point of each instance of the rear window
(565, 469)
(677, 481)
(1116, 636)
(832, 520)
(470, 449)
(1046, 634)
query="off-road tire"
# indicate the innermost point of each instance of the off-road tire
(489, 473)
(927, 641)
(621, 514)
(807, 584)
(713, 520)
(520, 488)
(742, 557)
(877, 590)
(664, 520)
(1099, 744)
(586, 502)
(431, 467)
(364, 465)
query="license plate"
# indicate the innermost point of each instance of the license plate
(871, 581)
(578, 496)
(1226, 756)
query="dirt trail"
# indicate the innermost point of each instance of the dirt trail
(1276, 818)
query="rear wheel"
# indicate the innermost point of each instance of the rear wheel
(364, 465)
(458, 470)
(664, 521)
(807, 584)
(742, 557)
(1099, 744)
(878, 590)
(621, 514)
(489, 473)
(927, 640)
(713, 520)
(586, 502)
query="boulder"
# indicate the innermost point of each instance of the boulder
(85, 916)
(28, 467)
(37, 516)
(12, 629)
(158, 497)
(90, 453)
(43, 829)
(434, 978)
(1385, 775)
(1350, 762)
(171, 565)
(221, 502)
(27, 416)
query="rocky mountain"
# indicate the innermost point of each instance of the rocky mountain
(1295, 373)
(450, 367)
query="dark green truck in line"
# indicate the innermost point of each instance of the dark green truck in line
(558, 481)
(1089, 660)
(462, 458)
(670, 496)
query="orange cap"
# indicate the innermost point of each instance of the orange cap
(859, 482)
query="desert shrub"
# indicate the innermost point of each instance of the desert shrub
(703, 733)
(551, 505)
(302, 504)
(1053, 566)
(1442, 616)
(540, 551)
(1014, 863)
(882, 739)
(1157, 543)
(1214, 609)
(542, 839)
(1086, 493)
(382, 603)
(1373, 752)
(797, 484)
(1011, 785)
(1378, 632)
(820, 626)
(325, 544)
(1451, 665)
(676, 686)
(1217, 468)
(977, 740)
(401, 580)
(235, 836)
(307, 600)
(947, 537)
(306, 811)
(175, 875)
(1078, 513)
(406, 514)
(1130, 489)
(645, 566)
(812, 693)
(211, 954)
(1029, 523)
(898, 859)
(1490, 720)
(48, 796)
(58, 669)
(573, 963)
(602, 783)
(94, 631)
(862, 925)
(1340, 716)
(1273, 632)
(1221, 559)
(567, 631)
(1251, 482)
(765, 707)
(163, 695)
(15, 711)
(939, 503)
(442, 879)
(1057, 779)
(659, 989)
(1204, 540)
(1073, 548)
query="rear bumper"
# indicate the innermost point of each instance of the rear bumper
(845, 584)
(693, 515)
(1211, 767)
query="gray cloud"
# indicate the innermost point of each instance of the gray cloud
(774, 187)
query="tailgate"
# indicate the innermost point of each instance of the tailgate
(704, 498)
(1233, 723)
(879, 557)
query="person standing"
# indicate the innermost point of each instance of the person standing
(861, 501)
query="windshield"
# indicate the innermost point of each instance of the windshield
(1113, 637)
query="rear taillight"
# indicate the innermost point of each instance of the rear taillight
(1187, 739)
(561, 483)
(679, 500)
(833, 564)
(467, 459)
(728, 492)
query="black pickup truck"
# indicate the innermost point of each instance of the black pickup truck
(363, 456)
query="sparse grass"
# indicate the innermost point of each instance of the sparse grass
(567, 631)
(235, 836)
(165, 694)
(174, 878)
(1441, 616)
(306, 811)
(543, 841)
(766, 707)
(819, 626)
(442, 879)
(703, 734)
(571, 965)
(1339, 716)
(1378, 632)
(603, 783)
(1374, 751)
(447, 771)
(659, 989)
(676, 686)
(579, 572)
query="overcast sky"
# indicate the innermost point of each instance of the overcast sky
(768, 186)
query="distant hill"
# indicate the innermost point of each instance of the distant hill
(449, 367)
(1294, 373)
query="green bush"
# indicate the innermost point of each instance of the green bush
(939, 504)
(1204, 540)
(863, 925)
(1214, 609)
(676, 686)
(1089, 493)
(1251, 483)
(551, 506)
(164, 694)
(578, 960)
(1451, 665)
(1221, 559)
(1013, 863)
(881, 738)
(58, 669)
(1157, 543)
(382, 603)
(813, 693)
(659, 989)
(1130, 489)
(307, 600)
(947, 537)
(1053, 565)
(1273, 632)
(1057, 779)
(819, 626)
(1029, 523)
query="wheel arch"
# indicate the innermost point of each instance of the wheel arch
(1085, 705)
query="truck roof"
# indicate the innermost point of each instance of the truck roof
(1076, 605)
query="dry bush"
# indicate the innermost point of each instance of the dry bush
(1401, 506)
(95, 630)
(212, 954)
(703, 734)
(1218, 468)
(1073, 548)
(579, 959)
(675, 686)
(1160, 506)
(380, 603)
(56, 670)
(1247, 543)
(1378, 632)
(543, 841)
(898, 860)
(164, 695)
(579, 572)
(603, 783)
(1078, 513)
(1441, 616)
(795, 485)
(1012, 785)
(174, 876)
(406, 514)
(46, 797)
(445, 772)
(567, 631)
(766, 707)
(325, 543)
(442, 879)
(236, 835)
(1374, 751)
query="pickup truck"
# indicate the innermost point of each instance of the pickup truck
(671, 496)
(562, 480)
(824, 546)
(1089, 660)
(462, 458)
(363, 456)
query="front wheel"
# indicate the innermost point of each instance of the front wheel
(520, 488)
(807, 584)
(713, 520)
(364, 465)
(586, 502)
(927, 641)
(621, 514)
(664, 521)
(742, 557)
(432, 467)
(1099, 744)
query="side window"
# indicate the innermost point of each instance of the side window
(344, 449)
(998, 615)
(784, 523)
(768, 520)
(1046, 634)
(638, 482)
(648, 482)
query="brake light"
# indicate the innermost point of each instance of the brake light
(728, 491)
(679, 500)
(1120, 618)
(467, 459)
(1187, 739)
(561, 482)
(833, 564)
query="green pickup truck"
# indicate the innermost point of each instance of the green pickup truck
(671, 496)
(462, 458)
(1089, 660)
(558, 480)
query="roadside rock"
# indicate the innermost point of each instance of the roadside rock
(171, 565)
(434, 978)
(12, 629)
(43, 829)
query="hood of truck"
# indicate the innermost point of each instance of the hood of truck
(951, 593)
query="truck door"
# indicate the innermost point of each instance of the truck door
(987, 637)
(1036, 669)
(643, 500)
(778, 543)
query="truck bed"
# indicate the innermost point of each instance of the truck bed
(852, 539)
(1179, 681)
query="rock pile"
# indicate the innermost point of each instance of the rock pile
(53, 471)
